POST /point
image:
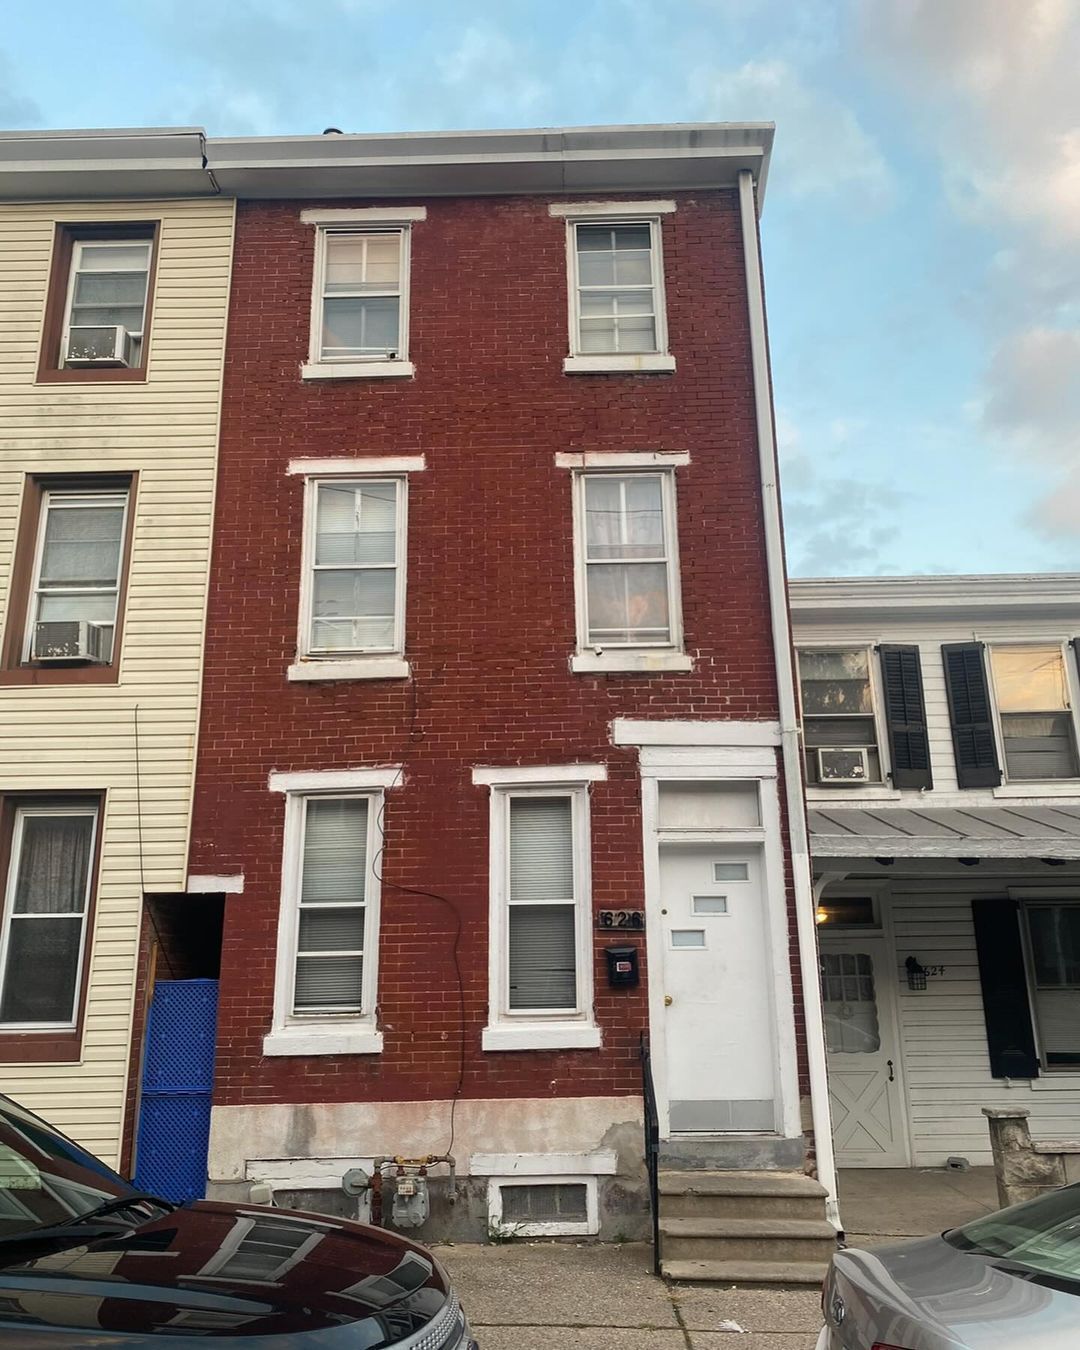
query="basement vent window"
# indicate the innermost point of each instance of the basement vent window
(544, 1206)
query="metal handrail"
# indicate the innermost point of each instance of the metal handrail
(652, 1145)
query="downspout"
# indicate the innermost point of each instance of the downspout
(790, 747)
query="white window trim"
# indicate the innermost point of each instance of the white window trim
(578, 362)
(882, 789)
(343, 664)
(336, 780)
(33, 608)
(1033, 787)
(537, 1030)
(622, 459)
(554, 1227)
(377, 220)
(663, 657)
(22, 811)
(377, 466)
(591, 210)
(346, 1033)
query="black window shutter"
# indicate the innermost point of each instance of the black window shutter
(1009, 1034)
(905, 713)
(971, 715)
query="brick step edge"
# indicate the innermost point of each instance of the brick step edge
(746, 1272)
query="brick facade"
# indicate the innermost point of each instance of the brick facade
(489, 617)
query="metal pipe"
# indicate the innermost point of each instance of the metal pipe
(790, 747)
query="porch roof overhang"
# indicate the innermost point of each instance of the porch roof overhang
(1018, 831)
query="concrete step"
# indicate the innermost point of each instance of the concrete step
(750, 1195)
(746, 1239)
(747, 1274)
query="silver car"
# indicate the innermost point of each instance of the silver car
(1008, 1281)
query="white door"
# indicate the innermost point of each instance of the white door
(865, 1091)
(717, 1030)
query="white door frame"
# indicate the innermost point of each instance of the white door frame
(889, 1010)
(749, 756)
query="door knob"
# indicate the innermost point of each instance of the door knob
(668, 1000)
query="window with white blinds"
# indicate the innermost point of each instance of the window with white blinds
(332, 906)
(542, 906)
(354, 579)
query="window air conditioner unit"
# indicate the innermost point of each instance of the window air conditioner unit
(94, 345)
(72, 640)
(843, 765)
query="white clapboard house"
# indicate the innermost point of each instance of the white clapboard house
(942, 746)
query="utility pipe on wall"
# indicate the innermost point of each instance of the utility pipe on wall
(790, 748)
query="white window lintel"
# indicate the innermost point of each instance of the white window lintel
(355, 370)
(541, 775)
(631, 731)
(215, 885)
(586, 210)
(358, 465)
(362, 215)
(621, 459)
(337, 780)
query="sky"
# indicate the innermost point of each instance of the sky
(921, 228)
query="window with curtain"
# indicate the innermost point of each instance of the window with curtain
(542, 901)
(78, 562)
(361, 295)
(356, 567)
(1054, 938)
(1037, 730)
(332, 906)
(616, 302)
(45, 907)
(627, 551)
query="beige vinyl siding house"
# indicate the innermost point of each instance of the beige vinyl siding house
(60, 737)
(923, 862)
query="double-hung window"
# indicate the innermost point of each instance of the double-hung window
(1053, 939)
(540, 930)
(352, 605)
(618, 318)
(839, 725)
(75, 588)
(328, 931)
(46, 906)
(97, 314)
(628, 593)
(1038, 730)
(360, 295)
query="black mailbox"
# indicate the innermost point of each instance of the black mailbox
(622, 967)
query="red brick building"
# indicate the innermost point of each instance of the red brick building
(491, 769)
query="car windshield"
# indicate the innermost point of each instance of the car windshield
(1041, 1235)
(45, 1179)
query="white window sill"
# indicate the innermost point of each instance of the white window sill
(872, 792)
(640, 363)
(355, 370)
(1057, 787)
(637, 662)
(360, 668)
(542, 1036)
(326, 1040)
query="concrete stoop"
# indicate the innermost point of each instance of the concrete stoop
(746, 1228)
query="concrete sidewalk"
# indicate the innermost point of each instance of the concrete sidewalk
(887, 1204)
(555, 1296)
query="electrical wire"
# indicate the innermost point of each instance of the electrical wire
(412, 737)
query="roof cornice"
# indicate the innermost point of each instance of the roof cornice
(1045, 595)
(184, 162)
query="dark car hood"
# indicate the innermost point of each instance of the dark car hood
(939, 1295)
(210, 1270)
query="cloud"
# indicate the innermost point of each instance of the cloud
(834, 522)
(16, 110)
(821, 147)
(996, 86)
